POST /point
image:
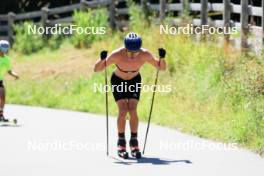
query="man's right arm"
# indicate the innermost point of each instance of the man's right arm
(105, 61)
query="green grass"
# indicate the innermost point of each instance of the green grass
(216, 94)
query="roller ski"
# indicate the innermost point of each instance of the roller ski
(135, 152)
(121, 151)
(4, 121)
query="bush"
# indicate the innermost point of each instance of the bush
(26, 42)
(55, 41)
(92, 18)
(137, 21)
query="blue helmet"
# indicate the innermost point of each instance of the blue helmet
(4, 46)
(132, 41)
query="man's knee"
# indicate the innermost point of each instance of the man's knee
(123, 110)
(132, 108)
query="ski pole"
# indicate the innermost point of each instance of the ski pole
(106, 105)
(162, 54)
(103, 56)
(150, 113)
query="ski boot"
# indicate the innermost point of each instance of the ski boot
(135, 152)
(121, 151)
(3, 119)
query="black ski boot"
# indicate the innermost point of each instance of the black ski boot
(121, 151)
(3, 119)
(135, 152)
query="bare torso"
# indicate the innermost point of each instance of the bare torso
(128, 64)
(131, 65)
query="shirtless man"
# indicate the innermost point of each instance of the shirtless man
(128, 60)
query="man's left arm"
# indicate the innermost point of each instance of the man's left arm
(158, 63)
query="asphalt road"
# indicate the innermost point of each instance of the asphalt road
(49, 142)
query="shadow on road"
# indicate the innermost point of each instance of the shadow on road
(148, 160)
(9, 125)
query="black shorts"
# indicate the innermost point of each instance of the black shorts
(126, 89)
(2, 84)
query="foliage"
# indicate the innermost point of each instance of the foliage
(93, 21)
(27, 42)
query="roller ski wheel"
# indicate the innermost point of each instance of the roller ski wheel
(122, 153)
(3, 120)
(14, 121)
(135, 152)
